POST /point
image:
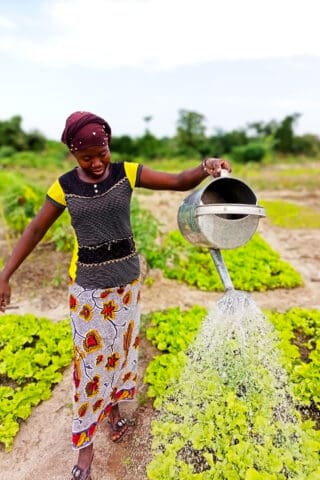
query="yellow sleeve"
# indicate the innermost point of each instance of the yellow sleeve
(74, 259)
(56, 194)
(131, 170)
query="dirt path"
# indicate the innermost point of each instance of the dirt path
(42, 447)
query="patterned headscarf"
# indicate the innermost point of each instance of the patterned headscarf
(85, 129)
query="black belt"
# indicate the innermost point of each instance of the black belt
(107, 251)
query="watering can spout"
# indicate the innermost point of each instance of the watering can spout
(221, 268)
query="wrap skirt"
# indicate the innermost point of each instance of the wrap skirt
(105, 327)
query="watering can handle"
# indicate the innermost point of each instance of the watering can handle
(224, 173)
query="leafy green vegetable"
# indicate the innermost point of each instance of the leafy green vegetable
(33, 353)
(220, 436)
(252, 267)
(299, 331)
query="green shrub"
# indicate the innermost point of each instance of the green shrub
(252, 152)
(145, 229)
(21, 203)
(6, 152)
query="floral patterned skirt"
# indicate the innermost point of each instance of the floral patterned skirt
(105, 327)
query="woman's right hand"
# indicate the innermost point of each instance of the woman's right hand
(5, 294)
(214, 166)
(31, 236)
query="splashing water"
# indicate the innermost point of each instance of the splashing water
(239, 343)
(231, 415)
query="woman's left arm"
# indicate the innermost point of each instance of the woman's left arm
(185, 180)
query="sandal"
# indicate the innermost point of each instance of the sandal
(118, 429)
(81, 473)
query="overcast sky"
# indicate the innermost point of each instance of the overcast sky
(234, 61)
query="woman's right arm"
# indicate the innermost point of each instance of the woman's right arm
(31, 236)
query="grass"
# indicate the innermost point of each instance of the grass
(300, 176)
(291, 215)
(279, 173)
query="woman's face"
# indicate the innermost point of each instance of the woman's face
(94, 161)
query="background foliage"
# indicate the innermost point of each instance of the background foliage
(252, 143)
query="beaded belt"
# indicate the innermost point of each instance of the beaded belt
(106, 251)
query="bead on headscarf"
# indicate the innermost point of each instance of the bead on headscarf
(85, 129)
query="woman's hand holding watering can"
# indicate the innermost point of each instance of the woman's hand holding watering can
(216, 166)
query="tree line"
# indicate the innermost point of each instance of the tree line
(251, 143)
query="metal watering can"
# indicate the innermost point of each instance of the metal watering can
(222, 215)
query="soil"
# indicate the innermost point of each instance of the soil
(42, 449)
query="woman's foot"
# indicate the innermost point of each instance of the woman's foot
(118, 429)
(81, 471)
(119, 426)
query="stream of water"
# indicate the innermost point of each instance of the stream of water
(232, 406)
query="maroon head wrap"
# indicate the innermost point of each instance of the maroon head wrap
(84, 129)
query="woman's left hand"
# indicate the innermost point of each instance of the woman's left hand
(214, 166)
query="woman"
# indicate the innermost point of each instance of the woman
(104, 272)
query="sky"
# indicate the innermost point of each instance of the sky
(234, 61)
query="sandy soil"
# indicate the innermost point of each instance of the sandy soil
(42, 448)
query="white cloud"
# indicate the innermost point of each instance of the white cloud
(5, 22)
(104, 34)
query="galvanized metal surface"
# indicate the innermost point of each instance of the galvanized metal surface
(222, 215)
(232, 209)
(221, 268)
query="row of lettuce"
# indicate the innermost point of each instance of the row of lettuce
(226, 437)
(208, 430)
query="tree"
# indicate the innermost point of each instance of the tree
(307, 144)
(12, 135)
(190, 131)
(284, 134)
(262, 129)
(148, 145)
(35, 141)
(124, 145)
